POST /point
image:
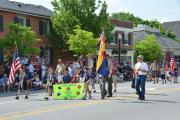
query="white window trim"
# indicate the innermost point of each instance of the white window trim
(22, 17)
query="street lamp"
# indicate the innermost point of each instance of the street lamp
(119, 48)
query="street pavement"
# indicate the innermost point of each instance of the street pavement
(162, 103)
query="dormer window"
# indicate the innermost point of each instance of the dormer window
(19, 5)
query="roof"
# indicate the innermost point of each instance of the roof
(36, 10)
(121, 23)
(164, 41)
(174, 26)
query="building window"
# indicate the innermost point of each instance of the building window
(22, 21)
(126, 38)
(43, 27)
(28, 24)
(129, 39)
(18, 20)
(1, 23)
(112, 38)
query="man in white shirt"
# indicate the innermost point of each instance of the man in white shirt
(60, 71)
(141, 69)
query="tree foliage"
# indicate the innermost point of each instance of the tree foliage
(170, 34)
(127, 17)
(69, 13)
(149, 48)
(23, 37)
(82, 42)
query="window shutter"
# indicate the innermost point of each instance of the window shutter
(123, 38)
(112, 38)
(28, 23)
(51, 55)
(45, 27)
(1, 56)
(1, 23)
(116, 38)
(41, 27)
(16, 20)
(129, 38)
(41, 51)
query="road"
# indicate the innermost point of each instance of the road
(162, 103)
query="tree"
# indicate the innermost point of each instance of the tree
(69, 13)
(127, 16)
(170, 34)
(149, 48)
(24, 39)
(82, 42)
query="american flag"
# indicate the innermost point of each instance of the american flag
(15, 66)
(172, 64)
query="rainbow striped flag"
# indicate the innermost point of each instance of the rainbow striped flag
(102, 63)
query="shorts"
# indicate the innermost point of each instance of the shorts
(154, 73)
(2, 83)
(162, 76)
(31, 75)
(60, 78)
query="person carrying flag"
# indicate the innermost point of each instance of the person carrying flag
(102, 63)
(15, 66)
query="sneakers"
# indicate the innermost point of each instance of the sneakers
(141, 98)
(46, 98)
(115, 91)
(17, 98)
(84, 97)
(26, 97)
(90, 97)
(109, 95)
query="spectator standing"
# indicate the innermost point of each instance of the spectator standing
(92, 79)
(176, 74)
(31, 76)
(66, 77)
(3, 82)
(163, 75)
(154, 69)
(114, 77)
(43, 72)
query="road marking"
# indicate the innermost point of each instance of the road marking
(50, 109)
(150, 89)
(10, 102)
(168, 90)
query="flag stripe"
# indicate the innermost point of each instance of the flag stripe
(15, 66)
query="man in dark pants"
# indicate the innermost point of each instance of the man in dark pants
(141, 69)
(109, 80)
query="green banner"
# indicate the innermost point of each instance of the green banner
(68, 91)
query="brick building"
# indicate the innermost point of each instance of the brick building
(35, 17)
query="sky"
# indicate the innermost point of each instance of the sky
(162, 10)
